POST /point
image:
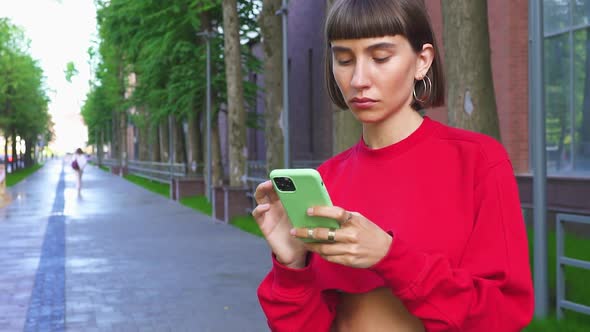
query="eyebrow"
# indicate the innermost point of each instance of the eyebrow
(373, 47)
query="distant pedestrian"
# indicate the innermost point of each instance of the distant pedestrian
(79, 161)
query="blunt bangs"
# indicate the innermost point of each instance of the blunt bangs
(364, 19)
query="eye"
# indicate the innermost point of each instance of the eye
(381, 60)
(344, 62)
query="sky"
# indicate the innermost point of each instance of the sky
(60, 31)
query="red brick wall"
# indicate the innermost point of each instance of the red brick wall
(508, 26)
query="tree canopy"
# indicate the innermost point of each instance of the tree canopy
(23, 98)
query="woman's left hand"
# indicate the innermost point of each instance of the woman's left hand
(357, 243)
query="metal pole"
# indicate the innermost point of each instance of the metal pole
(209, 187)
(284, 11)
(537, 112)
(170, 144)
(209, 176)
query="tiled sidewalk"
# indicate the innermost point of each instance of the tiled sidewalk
(130, 260)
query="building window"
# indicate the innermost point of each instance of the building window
(567, 85)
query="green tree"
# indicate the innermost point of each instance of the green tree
(23, 100)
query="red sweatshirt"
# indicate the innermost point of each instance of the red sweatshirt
(459, 257)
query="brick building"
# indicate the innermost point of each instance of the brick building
(310, 111)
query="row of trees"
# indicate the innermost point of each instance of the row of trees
(150, 71)
(23, 98)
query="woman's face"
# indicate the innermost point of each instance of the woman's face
(376, 75)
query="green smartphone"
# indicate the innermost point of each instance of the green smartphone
(298, 190)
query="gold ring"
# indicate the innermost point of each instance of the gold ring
(331, 234)
(310, 233)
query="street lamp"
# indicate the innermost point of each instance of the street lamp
(208, 35)
(284, 12)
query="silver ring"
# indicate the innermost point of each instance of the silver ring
(331, 234)
(310, 233)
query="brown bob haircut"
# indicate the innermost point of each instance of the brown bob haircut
(355, 19)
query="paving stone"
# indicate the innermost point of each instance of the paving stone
(120, 258)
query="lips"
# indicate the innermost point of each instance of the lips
(363, 103)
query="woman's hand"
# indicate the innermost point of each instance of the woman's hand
(358, 243)
(275, 226)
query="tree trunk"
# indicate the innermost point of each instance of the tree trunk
(14, 166)
(115, 139)
(164, 141)
(154, 139)
(99, 146)
(272, 36)
(28, 158)
(6, 153)
(216, 162)
(471, 100)
(194, 143)
(346, 129)
(235, 94)
(143, 135)
(179, 142)
(123, 138)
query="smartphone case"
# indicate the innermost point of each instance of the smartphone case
(309, 191)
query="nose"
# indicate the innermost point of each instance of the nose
(360, 77)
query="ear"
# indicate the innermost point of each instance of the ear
(424, 61)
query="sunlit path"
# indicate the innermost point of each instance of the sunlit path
(121, 258)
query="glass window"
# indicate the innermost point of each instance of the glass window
(582, 99)
(581, 12)
(555, 15)
(557, 103)
(567, 85)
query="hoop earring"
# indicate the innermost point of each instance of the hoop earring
(427, 86)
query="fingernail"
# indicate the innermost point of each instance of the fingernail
(292, 231)
(309, 211)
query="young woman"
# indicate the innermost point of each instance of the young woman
(432, 236)
(79, 162)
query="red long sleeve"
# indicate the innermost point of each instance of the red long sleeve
(490, 289)
(292, 302)
(459, 256)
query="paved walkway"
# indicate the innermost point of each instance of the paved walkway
(120, 258)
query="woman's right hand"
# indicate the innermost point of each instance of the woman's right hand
(275, 226)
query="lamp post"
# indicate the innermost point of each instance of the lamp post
(537, 112)
(170, 143)
(208, 35)
(284, 12)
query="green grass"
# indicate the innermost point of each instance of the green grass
(104, 168)
(247, 224)
(199, 203)
(21, 174)
(576, 287)
(154, 186)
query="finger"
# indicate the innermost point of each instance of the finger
(345, 259)
(323, 234)
(328, 249)
(260, 210)
(262, 192)
(327, 234)
(332, 212)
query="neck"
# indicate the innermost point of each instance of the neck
(396, 128)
